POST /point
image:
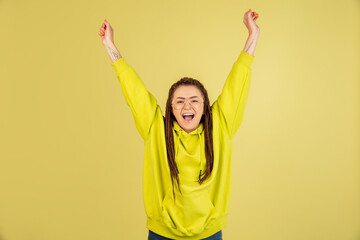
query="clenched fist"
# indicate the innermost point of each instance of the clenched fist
(106, 33)
(250, 21)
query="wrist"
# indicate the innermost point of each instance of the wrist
(108, 43)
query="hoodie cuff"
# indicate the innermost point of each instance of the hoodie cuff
(120, 65)
(245, 58)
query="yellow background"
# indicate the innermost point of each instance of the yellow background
(71, 158)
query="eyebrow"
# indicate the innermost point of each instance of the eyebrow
(189, 97)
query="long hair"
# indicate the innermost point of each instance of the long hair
(206, 119)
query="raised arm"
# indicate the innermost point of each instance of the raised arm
(141, 102)
(230, 105)
(254, 31)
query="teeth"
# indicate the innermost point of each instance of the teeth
(188, 114)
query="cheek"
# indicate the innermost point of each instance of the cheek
(178, 116)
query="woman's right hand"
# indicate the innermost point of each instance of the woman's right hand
(106, 33)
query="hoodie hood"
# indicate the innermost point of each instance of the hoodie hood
(198, 131)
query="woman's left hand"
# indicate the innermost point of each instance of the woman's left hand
(250, 21)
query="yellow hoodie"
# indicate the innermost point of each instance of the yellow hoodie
(201, 210)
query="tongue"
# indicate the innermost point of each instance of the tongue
(187, 118)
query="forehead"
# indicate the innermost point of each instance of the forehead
(187, 91)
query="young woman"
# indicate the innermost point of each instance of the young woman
(187, 163)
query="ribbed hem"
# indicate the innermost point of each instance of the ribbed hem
(245, 58)
(160, 229)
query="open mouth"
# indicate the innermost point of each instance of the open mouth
(188, 117)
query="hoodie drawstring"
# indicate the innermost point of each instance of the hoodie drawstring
(201, 162)
(201, 148)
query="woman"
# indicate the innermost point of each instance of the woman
(187, 163)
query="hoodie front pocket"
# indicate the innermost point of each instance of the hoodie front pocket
(191, 214)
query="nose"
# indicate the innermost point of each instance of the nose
(187, 101)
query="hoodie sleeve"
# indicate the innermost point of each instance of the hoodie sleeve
(230, 104)
(141, 102)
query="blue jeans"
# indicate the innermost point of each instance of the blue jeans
(154, 236)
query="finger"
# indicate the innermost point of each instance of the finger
(105, 24)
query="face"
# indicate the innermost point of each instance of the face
(185, 94)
